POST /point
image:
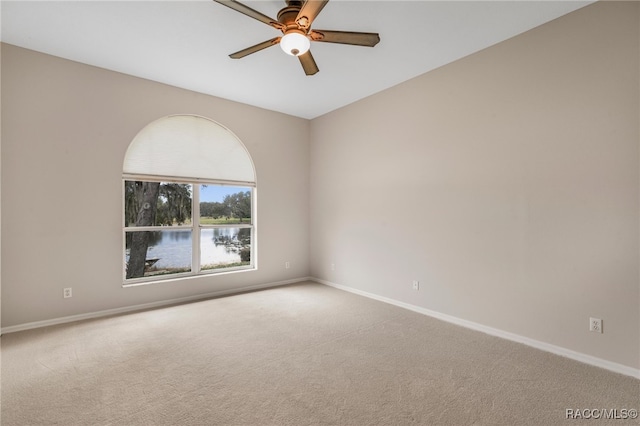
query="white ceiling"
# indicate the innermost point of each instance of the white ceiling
(187, 43)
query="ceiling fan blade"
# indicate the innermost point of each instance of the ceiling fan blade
(310, 9)
(308, 63)
(246, 10)
(345, 37)
(253, 49)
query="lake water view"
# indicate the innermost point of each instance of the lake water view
(218, 246)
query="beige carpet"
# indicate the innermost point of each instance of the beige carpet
(303, 354)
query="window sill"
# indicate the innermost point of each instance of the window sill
(137, 282)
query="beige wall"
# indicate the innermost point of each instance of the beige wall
(506, 183)
(0, 185)
(66, 127)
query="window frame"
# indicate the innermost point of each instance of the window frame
(195, 227)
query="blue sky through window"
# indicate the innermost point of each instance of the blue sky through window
(216, 193)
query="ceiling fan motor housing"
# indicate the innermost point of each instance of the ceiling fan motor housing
(287, 16)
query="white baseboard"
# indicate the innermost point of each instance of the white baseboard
(558, 350)
(133, 308)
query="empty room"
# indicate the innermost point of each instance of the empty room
(320, 212)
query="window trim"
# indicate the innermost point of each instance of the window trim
(196, 227)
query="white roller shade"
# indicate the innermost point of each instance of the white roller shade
(189, 146)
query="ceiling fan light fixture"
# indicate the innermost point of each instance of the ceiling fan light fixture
(295, 43)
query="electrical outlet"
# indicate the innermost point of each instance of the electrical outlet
(287, 265)
(67, 292)
(595, 325)
(333, 266)
(416, 285)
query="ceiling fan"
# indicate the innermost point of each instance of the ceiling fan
(295, 21)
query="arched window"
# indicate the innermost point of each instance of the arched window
(189, 201)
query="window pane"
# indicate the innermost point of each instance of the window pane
(224, 204)
(225, 247)
(157, 203)
(151, 253)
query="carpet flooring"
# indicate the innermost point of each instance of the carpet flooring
(302, 354)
